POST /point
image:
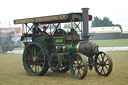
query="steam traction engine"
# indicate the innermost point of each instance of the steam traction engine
(62, 51)
(6, 43)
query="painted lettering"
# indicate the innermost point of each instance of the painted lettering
(62, 17)
(40, 19)
(24, 21)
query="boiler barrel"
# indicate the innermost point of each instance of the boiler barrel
(87, 48)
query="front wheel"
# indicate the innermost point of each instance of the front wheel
(103, 63)
(78, 65)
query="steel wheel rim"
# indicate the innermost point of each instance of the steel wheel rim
(103, 64)
(78, 66)
(34, 59)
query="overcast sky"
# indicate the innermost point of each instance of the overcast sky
(116, 10)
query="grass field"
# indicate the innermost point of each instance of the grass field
(112, 43)
(12, 73)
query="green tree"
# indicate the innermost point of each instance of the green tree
(119, 27)
(106, 22)
(96, 22)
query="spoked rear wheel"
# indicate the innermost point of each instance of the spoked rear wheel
(78, 65)
(103, 63)
(34, 60)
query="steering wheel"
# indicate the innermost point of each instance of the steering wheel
(59, 32)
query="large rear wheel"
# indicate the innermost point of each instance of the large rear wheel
(34, 60)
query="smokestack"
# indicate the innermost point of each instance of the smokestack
(85, 18)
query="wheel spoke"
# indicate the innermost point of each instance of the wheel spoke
(106, 64)
(78, 59)
(41, 67)
(39, 53)
(42, 63)
(103, 70)
(74, 62)
(106, 67)
(74, 69)
(82, 69)
(99, 59)
(35, 68)
(28, 58)
(79, 74)
(106, 60)
(31, 68)
(81, 62)
(34, 51)
(30, 50)
(82, 66)
(33, 65)
(103, 57)
(98, 67)
(38, 68)
(39, 64)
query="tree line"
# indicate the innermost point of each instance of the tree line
(105, 22)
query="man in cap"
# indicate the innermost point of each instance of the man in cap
(36, 31)
(44, 30)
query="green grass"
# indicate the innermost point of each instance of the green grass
(112, 43)
(12, 73)
(19, 48)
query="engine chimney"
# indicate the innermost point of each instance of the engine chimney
(85, 18)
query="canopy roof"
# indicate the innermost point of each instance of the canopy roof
(51, 19)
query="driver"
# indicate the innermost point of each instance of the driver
(36, 31)
(44, 30)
